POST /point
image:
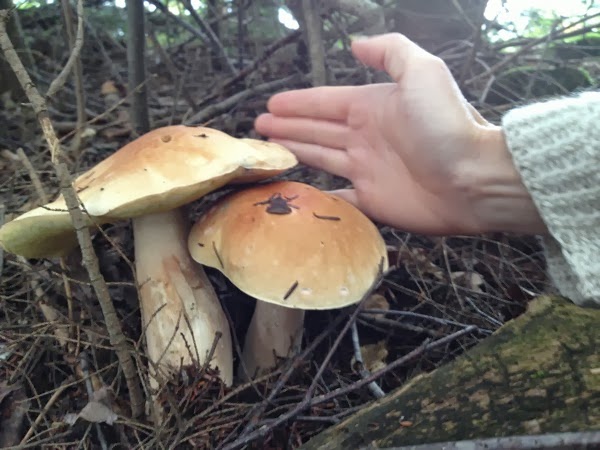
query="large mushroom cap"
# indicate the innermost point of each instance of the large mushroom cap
(161, 170)
(291, 244)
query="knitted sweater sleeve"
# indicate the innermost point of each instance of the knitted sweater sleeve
(555, 145)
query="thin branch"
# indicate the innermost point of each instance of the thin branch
(554, 34)
(163, 9)
(219, 108)
(61, 79)
(78, 69)
(211, 35)
(173, 72)
(364, 372)
(308, 401)
(288, 39)
(90, 260)
(35, 179)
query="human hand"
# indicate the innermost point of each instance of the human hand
(420, 158)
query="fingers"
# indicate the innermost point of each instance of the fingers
(330, 160)
(390, 52)
(309, 131)
(324, 102)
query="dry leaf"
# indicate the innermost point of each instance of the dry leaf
(471, 280)
(420, 258)
(109, 87)
(373, 355)
(97, 410)
(377, 301)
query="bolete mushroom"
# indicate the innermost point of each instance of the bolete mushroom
(147, 180)
(293, 248)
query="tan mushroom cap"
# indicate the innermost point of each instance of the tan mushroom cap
(322, 254)
(161, 170)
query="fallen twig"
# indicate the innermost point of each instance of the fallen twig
(221, 107)
(57, 393)
(309, 401)
(84, 364)
(90, 260)
(373, 386)
(61, 79)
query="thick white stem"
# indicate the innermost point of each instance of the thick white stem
(274, 332)
(181, 312)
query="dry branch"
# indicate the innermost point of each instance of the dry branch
(78, 68)
(90, 260)
(163, 9)
(219, 108)
(60, 80)
(211, 35)
(314, 37)
(270, 50)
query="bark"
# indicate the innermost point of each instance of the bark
(137, 66)
(313, 29)
(8, 80)
(539, 373)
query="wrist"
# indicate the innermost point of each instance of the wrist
(499, 200)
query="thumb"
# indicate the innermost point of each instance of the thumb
(390, 52)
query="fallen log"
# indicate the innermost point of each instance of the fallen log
(537, 374)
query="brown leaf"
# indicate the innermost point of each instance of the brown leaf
(377, 301)
(373, 355)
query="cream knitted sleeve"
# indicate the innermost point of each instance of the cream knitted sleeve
(555, 145)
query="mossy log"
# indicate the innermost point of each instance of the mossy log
(539, 373)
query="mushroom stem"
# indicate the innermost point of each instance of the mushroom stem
(181, 312)
(274, 332)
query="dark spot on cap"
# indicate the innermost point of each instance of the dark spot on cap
(333, 218)
(200, 244)
(203, 135)
(291, 290)
(166, 138)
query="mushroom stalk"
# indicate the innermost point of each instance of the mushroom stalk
(181, 312)
(274, 332)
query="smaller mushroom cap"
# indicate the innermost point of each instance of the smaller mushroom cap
(159, 171)
(290, 244)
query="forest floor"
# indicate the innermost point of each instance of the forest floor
(53, 338)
